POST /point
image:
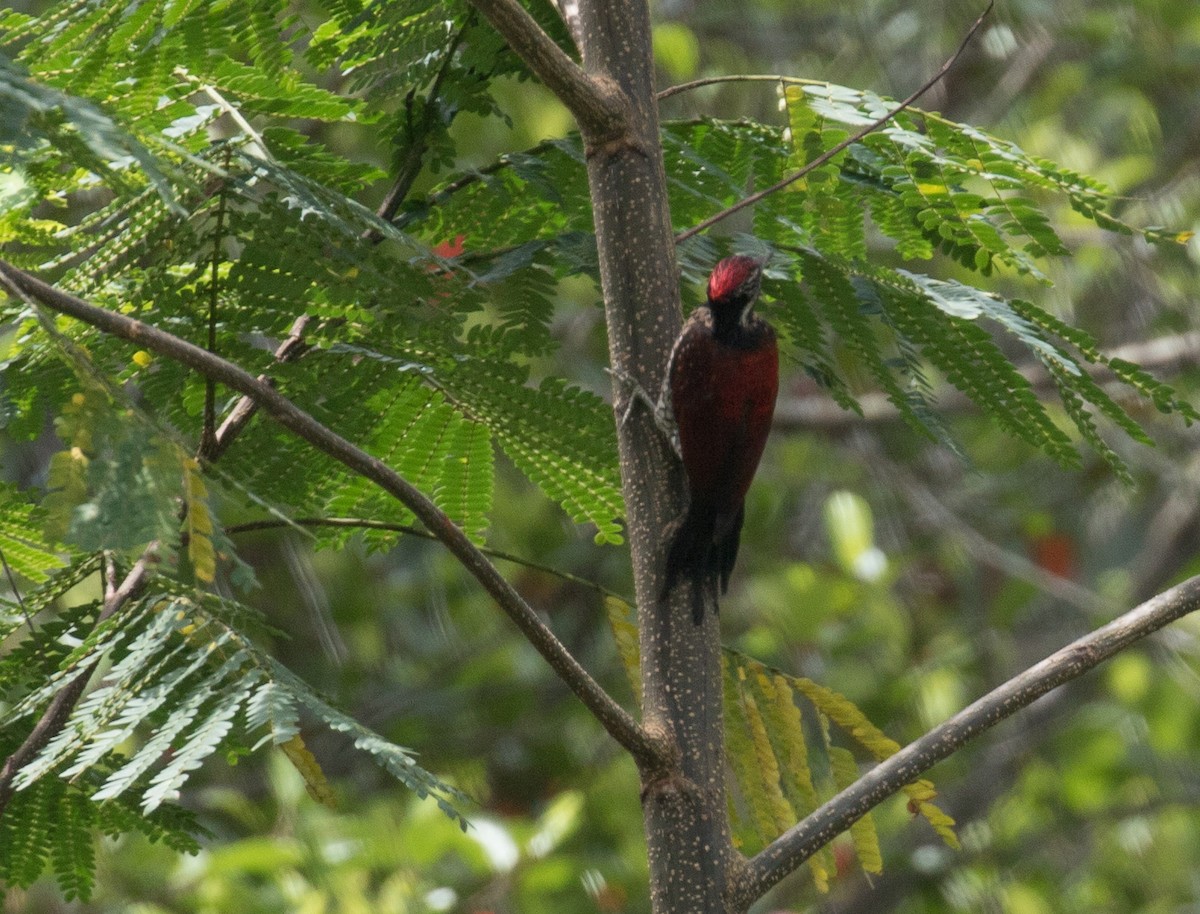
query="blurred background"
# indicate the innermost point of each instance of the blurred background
(874, 562)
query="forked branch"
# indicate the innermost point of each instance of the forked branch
(615, 719)
(597, 105)
(799, 843)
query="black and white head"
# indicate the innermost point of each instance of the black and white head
(733, 288)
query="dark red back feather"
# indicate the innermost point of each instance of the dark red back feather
(722, 378)
(723, 398)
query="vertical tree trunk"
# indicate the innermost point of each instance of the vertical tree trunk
(684, 805)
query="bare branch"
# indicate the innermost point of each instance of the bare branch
(850, 140)
(615, 719)
(245, 408)
(796, 845)
(598, 106)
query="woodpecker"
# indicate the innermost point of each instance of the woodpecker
(720, 387)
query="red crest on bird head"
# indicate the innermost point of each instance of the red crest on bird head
(735, 278)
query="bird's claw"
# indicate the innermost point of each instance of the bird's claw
(637, 394)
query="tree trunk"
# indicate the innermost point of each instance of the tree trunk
(687, 831)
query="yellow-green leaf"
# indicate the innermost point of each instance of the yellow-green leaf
(306, 763)
(862, 832)
(625, 632)
(199, 523)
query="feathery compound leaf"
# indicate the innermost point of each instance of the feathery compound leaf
(781, 811)
(30, 112)
(787, 731)
(29, 831)
(396, 760)
(862, 832)
(432, 445)
(940, 320)
(841, 304)
(932, 185)
(920, 802)
(201, 740)
(26, 552)
(114, 487)
(740, 753)
(768, 751)
(561, 437)
(787, 736)
(73, 853)
(621, 619)
(180, 682)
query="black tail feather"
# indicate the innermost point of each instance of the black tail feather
(703, 543)
(728, 537)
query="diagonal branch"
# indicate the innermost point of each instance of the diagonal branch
(116, 594)
(615, 719)
(849, 141)
(569, 10)
(55, 716)
(243, 411)
(800, 842)
(414, 155)
(598, 106)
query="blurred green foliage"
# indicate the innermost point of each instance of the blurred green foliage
(1087, 803)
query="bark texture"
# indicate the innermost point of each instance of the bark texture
(687, 832)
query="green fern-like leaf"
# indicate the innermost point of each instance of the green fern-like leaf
(24, 551)
(201, 741)
(73, 854)
(561, 437)
(28, 833)
(179, 682)
(396, 760)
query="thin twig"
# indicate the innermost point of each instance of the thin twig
(853, 138)
(362, 523)
(615, 719)
(208, 434)
(735, 78)
(800, 842)
(12, 582)
(243, 411)
(232, 111)
(410, 168)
